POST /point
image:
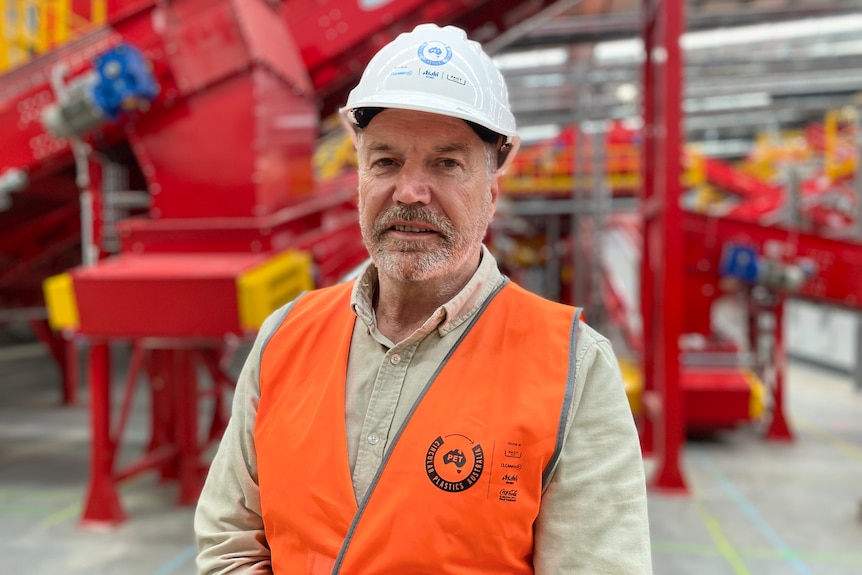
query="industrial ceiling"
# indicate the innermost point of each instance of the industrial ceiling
(752, 66)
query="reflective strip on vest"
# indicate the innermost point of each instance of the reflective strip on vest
(459, 488)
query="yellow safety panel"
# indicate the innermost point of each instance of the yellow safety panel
(521, 184)
(840, 135)
(759, 396)
(60, 298)
(265, 288)
(334, 156)
(29, 28)
(633, 382)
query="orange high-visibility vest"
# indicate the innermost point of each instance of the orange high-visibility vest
(459, 490)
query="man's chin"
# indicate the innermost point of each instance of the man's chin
(427, 244)
(409, 266)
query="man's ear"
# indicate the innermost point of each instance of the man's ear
(495, 190)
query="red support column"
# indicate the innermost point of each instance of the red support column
(663, 273)
(65, 355)
(93, 195)
(102, 503)
(778, 430)
(648, 192)
(184, 383)
(70, 370)
(162, 409)
(220, 384)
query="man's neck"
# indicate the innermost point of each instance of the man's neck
(402, 307)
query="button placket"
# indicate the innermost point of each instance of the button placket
(374, 435)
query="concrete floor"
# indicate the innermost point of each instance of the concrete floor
(753, 507)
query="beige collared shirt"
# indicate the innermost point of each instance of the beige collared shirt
(593, 517)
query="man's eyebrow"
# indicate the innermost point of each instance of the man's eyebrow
(449, 148)
(442, 149)
(379, 147)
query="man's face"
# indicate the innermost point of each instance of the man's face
(426, 195)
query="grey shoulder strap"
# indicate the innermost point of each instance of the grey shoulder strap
(567, 398)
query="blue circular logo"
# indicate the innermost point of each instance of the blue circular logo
(435, 53)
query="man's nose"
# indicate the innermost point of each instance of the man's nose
(412, 185)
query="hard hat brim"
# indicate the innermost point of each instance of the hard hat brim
(430, 104)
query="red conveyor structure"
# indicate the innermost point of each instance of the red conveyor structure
(763, 249)
(159, 170)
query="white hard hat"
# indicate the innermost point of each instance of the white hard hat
(437, 70)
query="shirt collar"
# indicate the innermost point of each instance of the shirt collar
(445, 318)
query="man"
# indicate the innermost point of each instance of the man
(430, 417)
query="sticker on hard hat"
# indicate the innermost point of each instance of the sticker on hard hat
(435, 53)
(456, 79)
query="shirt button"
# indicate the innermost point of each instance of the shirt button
(373, 439)
(395, 359)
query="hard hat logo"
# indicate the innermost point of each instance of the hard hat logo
(435, 53)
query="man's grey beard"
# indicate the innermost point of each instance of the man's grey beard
(389, 254)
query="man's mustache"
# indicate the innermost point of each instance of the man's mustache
(412, 213)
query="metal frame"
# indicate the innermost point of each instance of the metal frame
(175, 449)
(662, 277)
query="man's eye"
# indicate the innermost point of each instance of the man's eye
(449, 163)
(384, 162)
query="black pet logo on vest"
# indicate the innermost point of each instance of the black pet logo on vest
(457, 466)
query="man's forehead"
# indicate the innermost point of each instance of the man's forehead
(386, 145)
(402, 128)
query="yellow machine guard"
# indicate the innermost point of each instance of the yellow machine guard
(59, 294)
(265, 288)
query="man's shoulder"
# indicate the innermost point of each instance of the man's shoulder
(317, 296)
(587, 335)
(328, 292)
(314, 301)
(528, 298)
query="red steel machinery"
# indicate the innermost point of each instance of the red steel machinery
(708, 238)
(157, 170)
(773, 241)
(156, 174)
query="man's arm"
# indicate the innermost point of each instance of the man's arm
(228, 521)
(593, 517)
